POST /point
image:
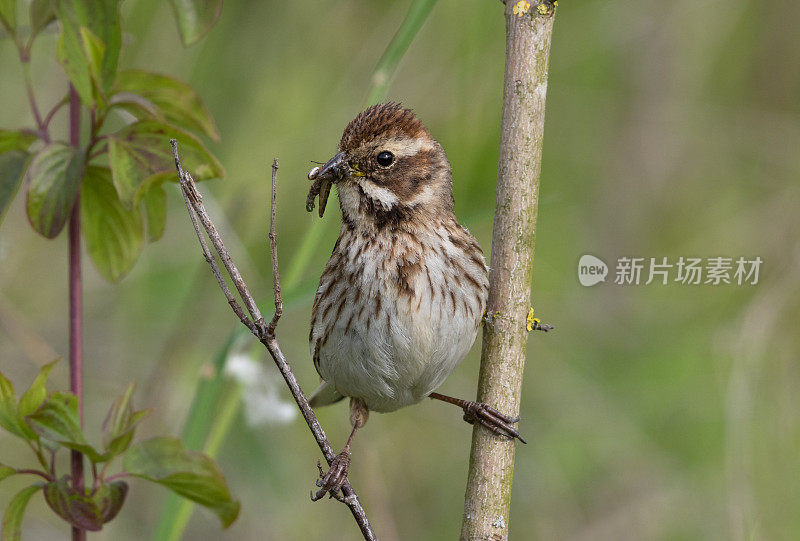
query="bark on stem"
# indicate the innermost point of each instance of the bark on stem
(76, 304)
(488, 495)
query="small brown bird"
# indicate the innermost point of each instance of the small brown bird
(404, 292)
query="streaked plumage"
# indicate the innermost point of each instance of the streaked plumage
(402, 296)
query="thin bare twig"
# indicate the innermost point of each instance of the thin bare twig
(196, 202)
(273, 247)
(237, 309)
(265, 334)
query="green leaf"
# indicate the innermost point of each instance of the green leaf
(101, 17)
(12, 519)
(9, 416)
(12, 168)
(119, 415)
(120, 444)
(155, 206)
(42, 13)
(15, 140)
(6, 471)
(53, 180)
(203, 415)
(156, 135)
(120, 422)
(131, 163)
(13, 161)
(57, 420)
(190, 474)
(114, 234)
(94, 49)
(78, 509)
(154, 181)
(173, 100)
(176, 100)
(195, 18)
(8, 14)
(34, 397)
(109, 499)
(37, 392)
(142, 149)
(89, 510)
(138, 106)
(69, 52)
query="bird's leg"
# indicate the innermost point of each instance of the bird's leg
(486, 415)
(332, 480)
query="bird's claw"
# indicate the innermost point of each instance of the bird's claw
(331, 482)
(492, 419)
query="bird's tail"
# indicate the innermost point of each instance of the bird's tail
(325, 395)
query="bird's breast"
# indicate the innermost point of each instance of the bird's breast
(396, 313)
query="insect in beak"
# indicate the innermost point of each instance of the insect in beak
(324, 177)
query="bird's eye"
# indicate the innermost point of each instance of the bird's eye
(385, 158)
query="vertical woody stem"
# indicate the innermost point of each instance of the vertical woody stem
(491, 467)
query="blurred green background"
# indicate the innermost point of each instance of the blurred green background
(652, 412)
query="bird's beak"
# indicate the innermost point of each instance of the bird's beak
(334, 169)
(323, 178)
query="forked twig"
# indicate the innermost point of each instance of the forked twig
(237, 309)
(255, 322)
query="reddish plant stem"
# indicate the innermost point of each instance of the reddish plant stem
(41, 474)
(76, 304)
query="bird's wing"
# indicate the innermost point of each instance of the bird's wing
(325, 395)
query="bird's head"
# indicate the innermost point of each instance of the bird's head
(388, 169)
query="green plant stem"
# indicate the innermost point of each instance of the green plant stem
(301, 259)
(219, 431)
(227, 413)
(104, 471)
(387, 65)
(95, 478)
(207, 396)
(176, 512)
(37, 449)
(92, 152)
(380, 81)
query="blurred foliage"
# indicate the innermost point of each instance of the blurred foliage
(50, 422)
(652, 412)
(121, 169)
(211, 417)
(56, 177)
